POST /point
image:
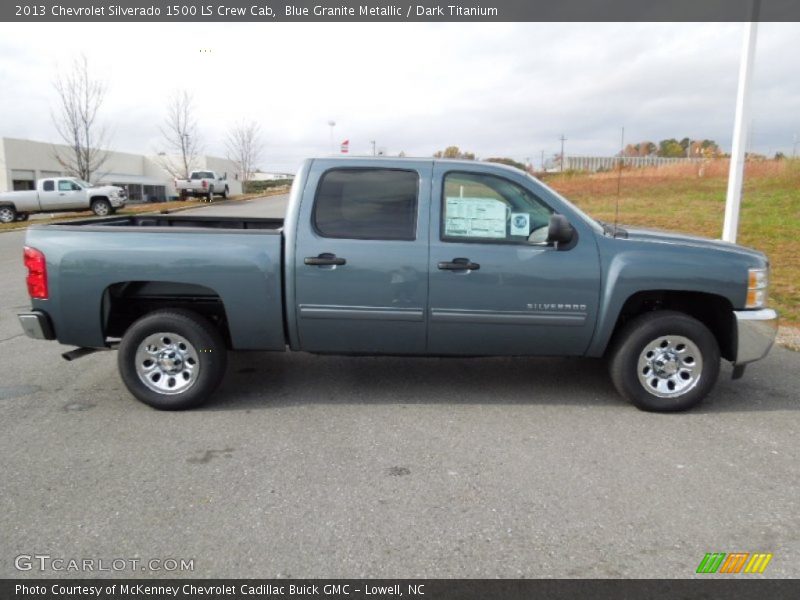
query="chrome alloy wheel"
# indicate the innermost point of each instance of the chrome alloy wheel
(7, 215)
(669, 366)
(167, 363)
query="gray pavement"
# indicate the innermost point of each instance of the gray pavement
(309, 466)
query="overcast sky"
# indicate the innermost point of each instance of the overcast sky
(493, 89)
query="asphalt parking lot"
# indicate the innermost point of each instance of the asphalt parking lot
(309, 466)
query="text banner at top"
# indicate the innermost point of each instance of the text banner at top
(389, 11)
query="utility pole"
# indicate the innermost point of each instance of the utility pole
(542, 161)
(373, 146)
(563, 139)
(730, 226)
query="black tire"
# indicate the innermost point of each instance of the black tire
(101, 207)
(225, 193)
(22, 217)
(211, 193)
(644, 345)
(8, 214)
(207, 348)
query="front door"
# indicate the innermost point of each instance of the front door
(496, 287)
(59, 194)
(361, 258)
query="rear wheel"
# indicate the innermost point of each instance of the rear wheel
(8, 214)
(101, 207)
(211, 193)
(172, 359)
(665, 361)
(225, 193)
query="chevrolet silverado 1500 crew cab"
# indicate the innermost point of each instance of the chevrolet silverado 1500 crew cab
(400, 257)
(61, 194)
(203, 184)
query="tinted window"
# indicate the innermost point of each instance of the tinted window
(202, 175)
(487, 208)
(49, 186)
(64, 185)
(375, 204)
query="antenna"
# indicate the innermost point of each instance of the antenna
(619, 180)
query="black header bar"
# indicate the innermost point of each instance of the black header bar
(373, 11)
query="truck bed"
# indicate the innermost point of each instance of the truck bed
(177, 221)
(238, 260)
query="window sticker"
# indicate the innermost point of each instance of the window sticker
(520, 224)
(475, 217)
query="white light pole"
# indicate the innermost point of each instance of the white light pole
(736, 174)
(331, 124)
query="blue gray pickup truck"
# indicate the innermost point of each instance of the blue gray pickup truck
(400, 257)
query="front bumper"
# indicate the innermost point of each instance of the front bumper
(118, 202)
(755, 334)
(37, 325)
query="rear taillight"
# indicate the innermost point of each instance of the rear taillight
(205, 183)
(37, 273)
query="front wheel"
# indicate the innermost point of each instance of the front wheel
(172, 359)
(225, 193)
(210, 194)
(101, 207)
(665, 361)
(8, 214)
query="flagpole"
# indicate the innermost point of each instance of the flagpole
(739, 146)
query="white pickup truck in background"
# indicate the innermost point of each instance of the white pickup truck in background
(203, 184)
(61, 194)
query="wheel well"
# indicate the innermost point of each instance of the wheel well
(94, 199)
(128, 301)
(715, 312)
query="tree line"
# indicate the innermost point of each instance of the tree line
(80, 97)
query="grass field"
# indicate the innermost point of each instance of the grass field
(691, 199)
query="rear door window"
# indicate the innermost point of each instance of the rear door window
(49, 186)
(368, 204)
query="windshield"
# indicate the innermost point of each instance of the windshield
(593, 223)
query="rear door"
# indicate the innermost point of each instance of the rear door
(48, 194)
(361, 257)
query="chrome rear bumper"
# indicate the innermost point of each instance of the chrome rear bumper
(36, 325)
(755, 334)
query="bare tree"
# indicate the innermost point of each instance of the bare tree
(181, 135)
(80, 97)
(244, 146)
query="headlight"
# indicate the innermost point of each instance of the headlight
(757, 282)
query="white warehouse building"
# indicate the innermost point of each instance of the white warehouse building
(22, 162)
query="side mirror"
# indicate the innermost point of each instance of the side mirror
(559, 231)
